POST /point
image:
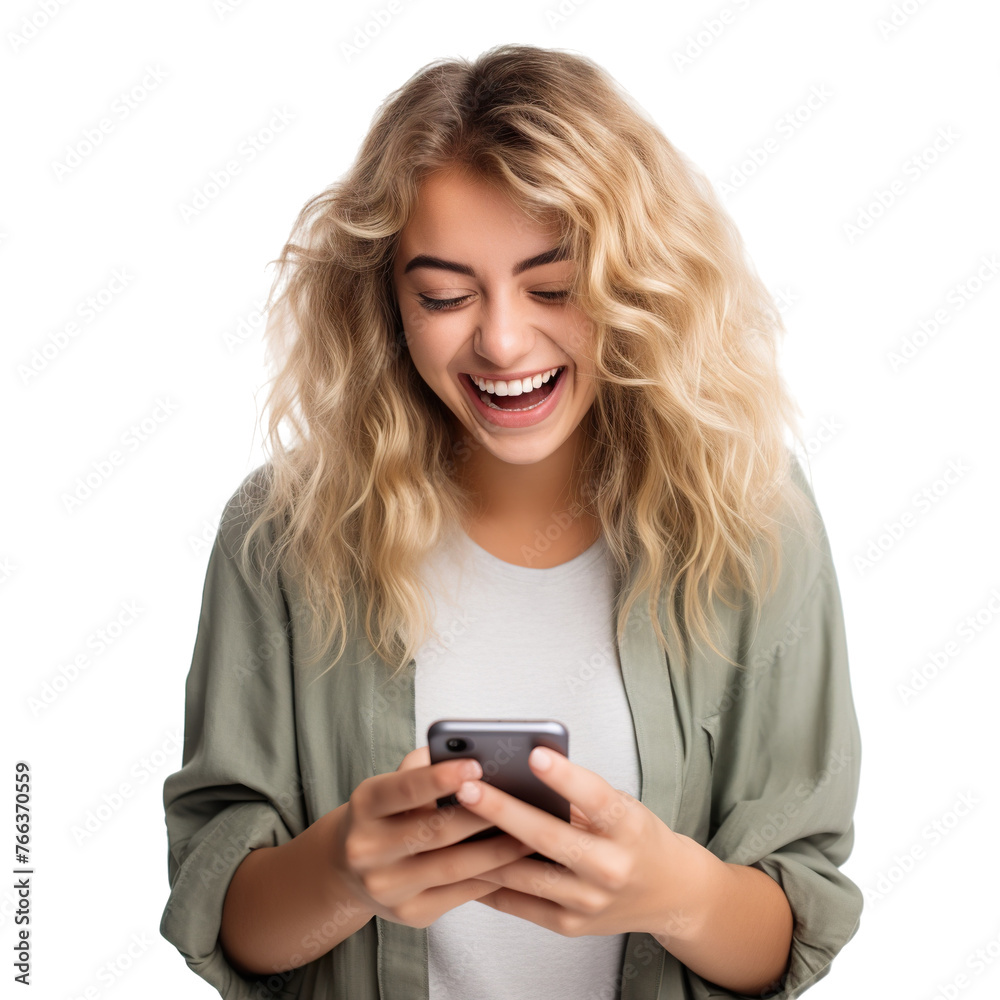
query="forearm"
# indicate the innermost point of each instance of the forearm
(286, 907)
(738, 934)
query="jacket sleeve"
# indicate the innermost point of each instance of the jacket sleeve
(238, 787)
(787, 767)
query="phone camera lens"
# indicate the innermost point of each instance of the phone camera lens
(455, 744)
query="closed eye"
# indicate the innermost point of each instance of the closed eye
(428, 302)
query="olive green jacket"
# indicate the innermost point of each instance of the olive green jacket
(760, 764)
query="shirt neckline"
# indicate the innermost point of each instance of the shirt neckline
(496, 566)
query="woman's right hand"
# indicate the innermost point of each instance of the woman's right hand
(400, 854)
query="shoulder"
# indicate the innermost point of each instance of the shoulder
(240, 517)
(805, 558)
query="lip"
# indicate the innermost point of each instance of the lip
(509, 418)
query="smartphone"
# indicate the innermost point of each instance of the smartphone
(502, 747)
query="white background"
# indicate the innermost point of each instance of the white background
(157, 352)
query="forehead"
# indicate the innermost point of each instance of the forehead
(455, 207)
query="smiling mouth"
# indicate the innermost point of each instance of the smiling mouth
(510, 403)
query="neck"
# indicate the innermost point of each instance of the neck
(528, 494)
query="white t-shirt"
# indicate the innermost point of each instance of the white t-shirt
(525, 643)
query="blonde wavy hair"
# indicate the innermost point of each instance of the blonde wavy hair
(684, 462)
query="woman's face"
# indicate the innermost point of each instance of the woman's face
(479, 295)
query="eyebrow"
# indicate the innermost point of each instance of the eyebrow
(546, 257)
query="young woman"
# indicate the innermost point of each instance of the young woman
(536, 469)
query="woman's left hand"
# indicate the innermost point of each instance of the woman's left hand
(620, 867)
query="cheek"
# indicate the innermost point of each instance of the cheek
(417, 331)
(580, 337)
(431, 351)
(414, 319)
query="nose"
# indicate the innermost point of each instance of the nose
(503, 332)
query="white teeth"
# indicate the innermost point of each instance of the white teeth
(516, 387)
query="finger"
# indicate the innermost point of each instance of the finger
(427, 829)
(392, 838)
(600, 803)
(411, 788)
(405, 879)
(548, 881)
(589, 855)
(542, 912)
(439, 899)
(421, 757)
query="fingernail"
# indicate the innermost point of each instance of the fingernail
(473, 770)
(541, 759)
(469, 793)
